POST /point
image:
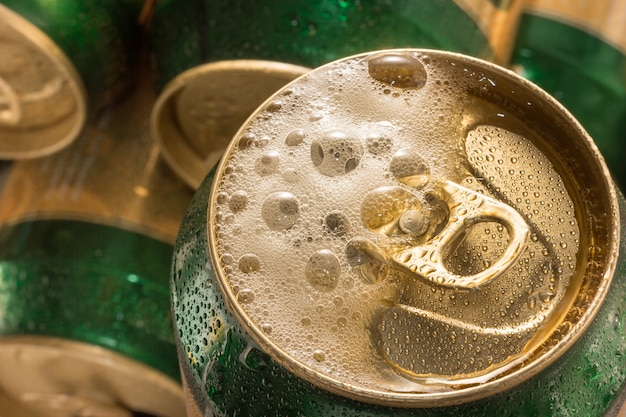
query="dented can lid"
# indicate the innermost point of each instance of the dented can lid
(43, 104)
(413, 228)
(45, 376)
(198, 112)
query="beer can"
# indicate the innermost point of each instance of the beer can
(61, 62)
(86, 239)
(222, 60)
(404, 232)
(577, 52)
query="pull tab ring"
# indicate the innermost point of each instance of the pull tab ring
(467, 208)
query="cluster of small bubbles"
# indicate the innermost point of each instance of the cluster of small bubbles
(249, 263)
(280, 210)
(378, 144)
(409, 168)
(295, 137)
(290, 175)
(336, 152)
(323, 270)
(267, 163)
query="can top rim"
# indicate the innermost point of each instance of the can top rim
(538, 360)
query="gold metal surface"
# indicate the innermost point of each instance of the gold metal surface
(47, 377)
(198, 112)
(415, 342)
(112, 174)
(42, 99)
(467, 208)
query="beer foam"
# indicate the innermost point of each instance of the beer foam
(344, 168)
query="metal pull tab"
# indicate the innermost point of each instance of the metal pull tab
(467, 208)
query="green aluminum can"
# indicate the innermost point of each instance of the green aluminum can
(215, 62)
(404, 233)
(60, 63)
(86, 239)
(577, 52)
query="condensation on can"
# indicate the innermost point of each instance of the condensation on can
(230, 335)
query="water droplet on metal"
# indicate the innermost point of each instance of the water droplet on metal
(267, 163)
(295, 137)
(337, 223)
(249, 263)
(280, 210)
(409, 168)
(323, 270)
(398, 70)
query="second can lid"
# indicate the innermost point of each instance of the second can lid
(43, 103)
(197, 114)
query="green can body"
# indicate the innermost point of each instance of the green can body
(227, 373)
(228, 369)
(90, 283)
(86, 238)
(310, 33)
(584, 71)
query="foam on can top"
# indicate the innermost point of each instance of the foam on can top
(391, 228)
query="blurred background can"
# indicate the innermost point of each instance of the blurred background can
(86, 239)
(576, 50)
(61, 62)
(256, 47)
(232, 366)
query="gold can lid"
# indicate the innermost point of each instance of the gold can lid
(197, 114)
(413, 228)
(43, 376)
(42, 99)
